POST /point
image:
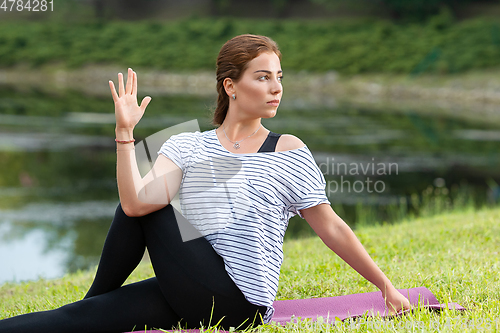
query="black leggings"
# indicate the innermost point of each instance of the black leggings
(191, 286)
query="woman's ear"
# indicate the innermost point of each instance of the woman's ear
(229, 86)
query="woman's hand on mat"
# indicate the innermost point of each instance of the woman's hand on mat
(127, 111)
(396, 302)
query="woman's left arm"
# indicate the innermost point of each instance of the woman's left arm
(339, 237)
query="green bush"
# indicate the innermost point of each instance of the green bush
(347, 47)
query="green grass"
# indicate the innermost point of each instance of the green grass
(455, 255)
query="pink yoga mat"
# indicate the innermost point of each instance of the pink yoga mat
(348, 306)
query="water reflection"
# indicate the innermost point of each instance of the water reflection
(27, 258)
(52, 238)
(57, 168)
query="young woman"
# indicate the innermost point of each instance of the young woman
(238, 184)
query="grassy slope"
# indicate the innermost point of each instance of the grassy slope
(454, 255)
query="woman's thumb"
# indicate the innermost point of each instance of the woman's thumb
(145, 102)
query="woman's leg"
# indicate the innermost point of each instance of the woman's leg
(128, 308)
(192, 276)
(107, 307)
(123, 250)
(192, 284)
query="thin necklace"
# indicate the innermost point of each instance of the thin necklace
(236, 144)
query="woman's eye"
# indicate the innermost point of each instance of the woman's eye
(266, 78)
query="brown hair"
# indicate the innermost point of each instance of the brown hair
(232, 61)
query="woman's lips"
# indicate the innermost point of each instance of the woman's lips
(274, 102)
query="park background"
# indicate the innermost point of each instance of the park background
(398, 100)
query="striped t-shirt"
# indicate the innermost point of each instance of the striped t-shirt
(241, 204)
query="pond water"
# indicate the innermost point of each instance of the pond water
(57, 161)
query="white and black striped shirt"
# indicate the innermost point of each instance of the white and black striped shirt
(241, 203)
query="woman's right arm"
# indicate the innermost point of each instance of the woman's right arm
(139, 196)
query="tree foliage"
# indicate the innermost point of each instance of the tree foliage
(347, 47)
(407, 10)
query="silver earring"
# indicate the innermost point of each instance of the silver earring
(234, 96)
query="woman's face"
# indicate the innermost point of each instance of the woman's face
(259, 90)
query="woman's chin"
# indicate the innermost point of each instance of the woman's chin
(270, 114)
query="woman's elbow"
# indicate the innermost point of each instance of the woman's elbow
(132, 210)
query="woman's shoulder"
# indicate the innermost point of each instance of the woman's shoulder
(289, 142)
(189, 136)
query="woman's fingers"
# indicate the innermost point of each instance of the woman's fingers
(113, 91)
(130, 80)
(134, 84)
(121, 88)
(130, 89)
(396, 302)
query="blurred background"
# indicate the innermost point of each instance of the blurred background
(399, 101)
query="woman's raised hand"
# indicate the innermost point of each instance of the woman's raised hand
(127, 111)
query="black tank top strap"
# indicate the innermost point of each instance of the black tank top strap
(270, 144)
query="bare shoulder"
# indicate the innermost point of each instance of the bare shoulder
(289, 142)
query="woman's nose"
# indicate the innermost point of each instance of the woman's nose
(276, 87)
